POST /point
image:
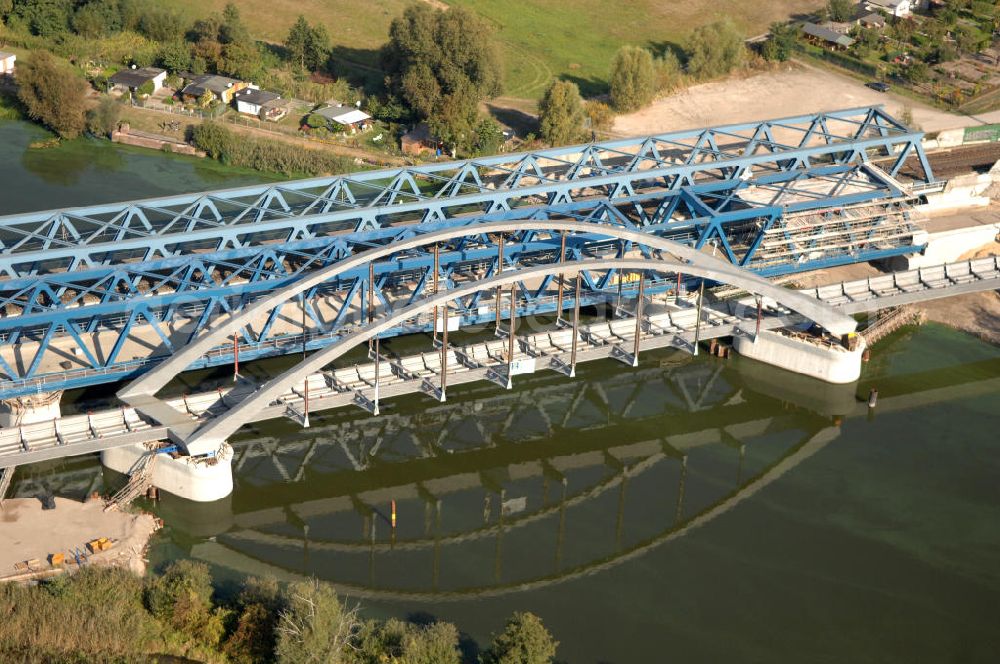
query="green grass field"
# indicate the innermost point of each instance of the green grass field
(541, 38)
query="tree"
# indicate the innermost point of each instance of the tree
(93, 20)
(175, 56)
(488, 136)
(161, 24)
(146, 89)
(560, 113)
(443, 64)
(182, 598)
(52, 93)
(715, 49)
(668, 71)
(917, 72)
(840, 10)
(781, 43)
(632, 79)
(257, 607)
(436, 643)
(317, 47)
(103, 118)
(206, 99)
(600, 115)
(45, 18)
(232, 29)
(314, 626)
(524, 640)
(242, 60)
(297, 41)
(316, 121)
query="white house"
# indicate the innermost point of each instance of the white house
(133, 79)
(260, 103)
(7, 63)
(354, 119)
(897, 8)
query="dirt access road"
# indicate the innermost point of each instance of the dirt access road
(794, 89)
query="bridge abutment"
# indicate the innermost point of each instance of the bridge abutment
(30, 409)
(202, 479)
(826, 361)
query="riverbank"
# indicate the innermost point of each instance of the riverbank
(30, 535)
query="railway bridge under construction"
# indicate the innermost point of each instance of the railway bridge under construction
(148, 289)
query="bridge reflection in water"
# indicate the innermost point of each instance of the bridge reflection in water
(501, 492)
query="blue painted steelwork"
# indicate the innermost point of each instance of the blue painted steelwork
(110, 268)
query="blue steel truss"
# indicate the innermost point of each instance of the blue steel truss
(108, 269)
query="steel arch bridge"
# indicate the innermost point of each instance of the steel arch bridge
(102, 293)
(201, 438)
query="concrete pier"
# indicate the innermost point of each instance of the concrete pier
(825, 360)
(30, 409)
(201, 479)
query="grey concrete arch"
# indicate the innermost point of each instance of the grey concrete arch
(216, 431)
(155, 379)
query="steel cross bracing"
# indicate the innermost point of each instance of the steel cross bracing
(146, 229)
(725, 186)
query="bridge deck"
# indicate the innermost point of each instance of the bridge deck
(83, 434)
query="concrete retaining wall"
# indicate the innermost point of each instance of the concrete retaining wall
(961, 192)
(832, 365)
(155, 143)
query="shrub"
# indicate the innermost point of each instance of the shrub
(715, 49)
(560, 113)
(103, 118)
(524, 640)
(264, 154)
(52, 93)
(182, 598)
(315, 120)
(314, 626)
(633, 79)
(601, 116)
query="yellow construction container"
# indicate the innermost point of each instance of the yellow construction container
(57, 559)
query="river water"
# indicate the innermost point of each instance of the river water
(687, 510)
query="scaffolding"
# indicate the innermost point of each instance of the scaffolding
(139, 480)
(844, 231)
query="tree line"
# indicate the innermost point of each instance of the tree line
(440, 66)
(102, 614)
(637, 76)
